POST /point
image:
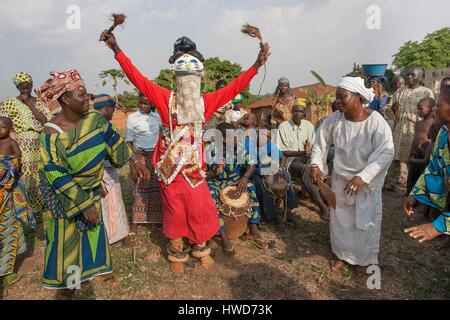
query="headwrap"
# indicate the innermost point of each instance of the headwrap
(356, 85)
(378, 78)
(103, 100)
(182, 46)
(300, 102)
(187, 64)
(60, 83)
(238, 98)
(21, 77)
(281, 81)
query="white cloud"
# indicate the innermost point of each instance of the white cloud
(326, 36)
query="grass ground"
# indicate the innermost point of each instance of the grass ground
(297, 267)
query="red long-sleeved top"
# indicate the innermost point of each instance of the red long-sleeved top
(160, 96)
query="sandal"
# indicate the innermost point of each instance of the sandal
(259, 243)
(229, 252)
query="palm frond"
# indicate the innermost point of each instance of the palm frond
(318, 77)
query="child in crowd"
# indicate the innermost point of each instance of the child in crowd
(14, 207)
(433, 131)
(417, 159)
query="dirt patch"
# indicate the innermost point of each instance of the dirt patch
(297, 267)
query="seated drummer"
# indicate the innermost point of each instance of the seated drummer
(270, 161)
(223, 175)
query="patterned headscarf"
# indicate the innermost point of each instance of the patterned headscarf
(280, 81)
(60, 83)
(103, 100)
(21, 77)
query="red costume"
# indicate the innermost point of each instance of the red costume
(189, 210)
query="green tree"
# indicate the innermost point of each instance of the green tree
(389, 84)
(356, 72)
(433, 52)
(115, 75)
(214, 70)
(129, 99)
(319, 102)
(166, 79)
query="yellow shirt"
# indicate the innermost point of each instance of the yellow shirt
(292, 137)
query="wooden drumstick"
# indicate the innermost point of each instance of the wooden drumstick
(118, 19)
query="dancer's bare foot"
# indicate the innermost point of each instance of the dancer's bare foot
(325, 215)
(227, 246)
(107, 278)
(256, 237)
(337, 265)
(254, 232)
(177, 267)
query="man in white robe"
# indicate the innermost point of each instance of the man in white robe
(363, 149)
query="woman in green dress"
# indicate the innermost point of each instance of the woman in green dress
(74, 146)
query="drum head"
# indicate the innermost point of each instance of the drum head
(275, 182)
(230, 197)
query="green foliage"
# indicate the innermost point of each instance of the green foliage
(166, 79)
(321, 101)
(432, 53)
(128, 99)
(318, 77)
(114, 75)
(389, 84)
(356, 72)
(215, 70)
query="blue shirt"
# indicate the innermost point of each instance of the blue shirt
(263, 154)
(377, 105)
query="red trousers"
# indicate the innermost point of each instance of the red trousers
(188, 213)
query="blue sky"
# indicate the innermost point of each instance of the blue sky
(320, 35)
